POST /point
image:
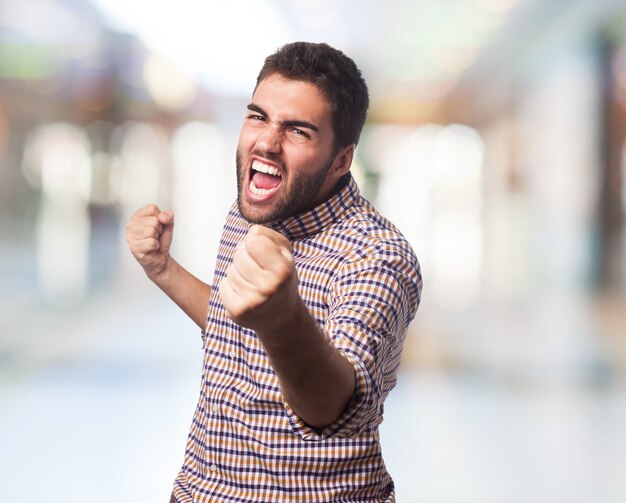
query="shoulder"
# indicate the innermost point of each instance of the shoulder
(374, 236)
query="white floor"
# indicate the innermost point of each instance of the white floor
(95, 404)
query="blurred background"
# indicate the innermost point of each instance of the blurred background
(495, 141)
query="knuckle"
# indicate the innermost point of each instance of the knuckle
(266, 290)
(269, 288)
(147, 245)
(284, 272)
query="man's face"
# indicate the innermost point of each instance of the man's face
(285, 154)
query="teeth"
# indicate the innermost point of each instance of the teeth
(260, 192)
(264, 168)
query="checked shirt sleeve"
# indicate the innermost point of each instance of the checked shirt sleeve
(373, 301)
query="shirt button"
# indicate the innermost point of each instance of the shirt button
(233, 355)
(213, 467)
(215, 407)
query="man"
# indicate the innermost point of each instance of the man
(312, 295)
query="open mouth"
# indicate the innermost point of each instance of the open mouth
(264, 179)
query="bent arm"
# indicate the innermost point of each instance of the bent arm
(260, 292)
(149, 233)
(316, 380)
(186, 290)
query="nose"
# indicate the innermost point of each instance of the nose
(270, 138)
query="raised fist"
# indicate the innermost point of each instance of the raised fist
(261, 285)
(149, 234)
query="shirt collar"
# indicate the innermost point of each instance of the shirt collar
(309, 223)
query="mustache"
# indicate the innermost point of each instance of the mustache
(270, 156)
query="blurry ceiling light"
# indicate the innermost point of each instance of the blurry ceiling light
(224, 43)
(202, 189)
(498, 5)
(457, 160)
(101, 193)
(142, 151)
(457, 274)
(458, 155)
(170, 87)
(439, 209)
(197, 146)
(56, 159)
(99, 133)
(402, 155)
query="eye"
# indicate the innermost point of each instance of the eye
(299, 133)
(256, 117)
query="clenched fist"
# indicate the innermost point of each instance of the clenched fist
(149, 234)
(260, 289)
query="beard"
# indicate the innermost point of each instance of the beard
(299, 196)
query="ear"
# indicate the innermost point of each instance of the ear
(343, 161)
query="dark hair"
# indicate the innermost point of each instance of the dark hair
(335, 74)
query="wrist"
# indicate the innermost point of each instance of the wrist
(294, 318)
(162, 275)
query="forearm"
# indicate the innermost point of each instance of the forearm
(187, 291)
(316, 380)
(260, 292)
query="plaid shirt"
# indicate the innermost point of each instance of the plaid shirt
(361, 281)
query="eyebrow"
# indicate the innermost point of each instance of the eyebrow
(294, 123)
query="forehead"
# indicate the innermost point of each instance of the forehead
(292, 99)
